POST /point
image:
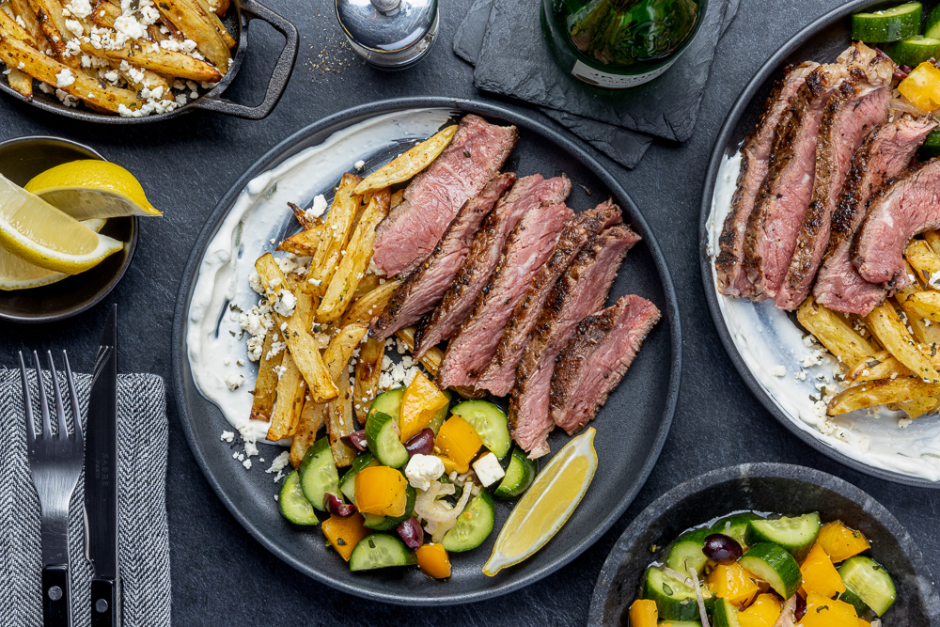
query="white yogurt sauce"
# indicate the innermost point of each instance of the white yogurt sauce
(767, 338)
(259, 215)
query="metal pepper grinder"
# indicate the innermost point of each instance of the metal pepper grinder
(389, 34)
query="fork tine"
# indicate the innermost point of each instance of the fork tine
(76, 417)
(28, 402)
(59, 408)
(43, 402)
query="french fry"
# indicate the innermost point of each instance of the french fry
(266, 382)
(881, 392)
(22, 10)
(336, 231)
(933, 238)
(924, 261)
(301, 215)
(368, 372)
(105, 13)
(410, 163)
(887, 327)
(194, 24)
(431, 360)
(367, 284)
(9, 25)
(341, 348)
(834, 333)
(311, 419)
(925, 304)
(340, 422)
(925, 331)
(355, 262)
(21, 83)
(290, 400)
(52, 23)
(370, 305)
(303, 244)
(221, 6)
(397, 198)
(879, 366)
(160, 60)
(217, 23)
(919, 406)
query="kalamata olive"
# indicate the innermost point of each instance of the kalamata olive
(421, 444)
(338, 508)
(411, 533)
(721, 548)
(357, 440)
(800, 608)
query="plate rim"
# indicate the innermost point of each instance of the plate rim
(748, 93)
(524, 120)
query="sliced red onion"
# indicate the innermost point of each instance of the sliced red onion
(357, 440)
(698, 597)
(338, 508)
(411, 533)
(787, 618)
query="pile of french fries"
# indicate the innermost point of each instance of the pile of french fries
(125, 61)
(308, 385)
(892, 355)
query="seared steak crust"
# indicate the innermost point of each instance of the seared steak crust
(501, 374)
(425, 286)
(596, 359)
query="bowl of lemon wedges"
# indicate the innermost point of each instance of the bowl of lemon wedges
(68, 227)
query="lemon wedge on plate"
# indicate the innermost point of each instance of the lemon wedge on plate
(547, 505)
(16, 274)
(40, 234)
(92, 189)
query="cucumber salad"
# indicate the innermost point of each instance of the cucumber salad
(421, 485)
(750, 570)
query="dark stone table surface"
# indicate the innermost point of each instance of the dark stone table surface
(221, 575)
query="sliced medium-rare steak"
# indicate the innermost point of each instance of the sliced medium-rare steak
(410, 231)
(597, 358)
(500, 376)
(528, 193)
(580, 291)
(528, 247)
(427, 283)
(755, 160)
(858, 105)
(908, 206)
(884, 154)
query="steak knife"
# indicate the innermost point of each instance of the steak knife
(101, 481)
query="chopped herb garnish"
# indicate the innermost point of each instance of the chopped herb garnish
(466, 153)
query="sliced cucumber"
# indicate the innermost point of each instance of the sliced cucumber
(383, 439)
(679, 623)
(389, 402)
(735, 526)
(294, 505)
(932, 23)
(347, 485)
(687, 553)
(892, 24)
(913, 51)
(870, 582)
(490, 423)
(793, 534)
(774, 565)
(520, 474)
(931, 146)
(725, 614)
(852, 599)
(674, 600)
(381, 550)
(318, 475)
(441, 415)
(474, 525)
(387, 523)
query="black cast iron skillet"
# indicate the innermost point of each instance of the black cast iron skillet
(821, 41)
(237, 21)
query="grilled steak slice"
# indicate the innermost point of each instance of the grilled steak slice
(528, 247)
(908, 206)
(884, 154)
(859, 104)
(597, 358)
(410, 231)
(425, 286)
(501, 373)
(581, 291)
(755, 161)
(528, 193)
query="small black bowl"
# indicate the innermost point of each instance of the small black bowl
(781, 488)
(20, 160)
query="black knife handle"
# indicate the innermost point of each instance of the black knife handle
(105, 604)
(55, 596)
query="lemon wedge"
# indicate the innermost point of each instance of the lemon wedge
(16, 274)
(92, 189)
(40, 234)
(547, 505)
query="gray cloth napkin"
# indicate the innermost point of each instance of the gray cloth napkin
(144, 540)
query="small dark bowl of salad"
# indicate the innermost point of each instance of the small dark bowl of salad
(765, 545)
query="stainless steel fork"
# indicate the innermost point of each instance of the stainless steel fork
(55, 462)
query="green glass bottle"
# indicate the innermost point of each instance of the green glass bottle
(617, 44)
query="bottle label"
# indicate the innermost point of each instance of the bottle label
(615, 81)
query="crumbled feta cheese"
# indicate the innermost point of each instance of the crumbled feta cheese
(778, 371)
(254, 280)
(318, 208)
(423, 469)
(813, 359)
(286, 304)
(904, 423)
(75, 27)
(21, 66)
(279, 370)
(359, 164)
(488, 470)
(247, 464)
(64, 78)
(228, 436)
(248, 439)
(315, 282)
(128, 26)
(234, 381)
(800, 376)
(276, 348)
(280, 463)
(79, 8)
(66, 99)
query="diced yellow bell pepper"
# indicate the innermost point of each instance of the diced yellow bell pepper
(922, 86)
(819, 575)
(421, 401)
(345, 533)
(840, 543)
(643, 613)
(763, 612)
(449, 465)
(825, 612)
(458, 441)
(433, 561)
(863, 623)
(381, 490)
(734, 583)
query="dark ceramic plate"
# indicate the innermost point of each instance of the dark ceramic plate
(632, 427)
(779, 488)
(20, 160)
(822, 41)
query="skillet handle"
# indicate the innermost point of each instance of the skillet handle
(279, 76)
